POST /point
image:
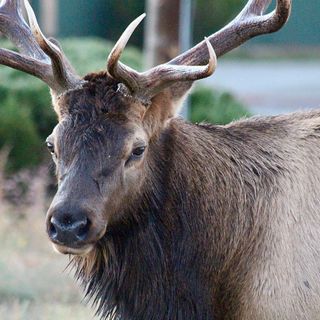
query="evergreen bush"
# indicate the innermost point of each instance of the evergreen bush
(215, 107)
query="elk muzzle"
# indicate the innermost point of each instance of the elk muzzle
(66, 229)
(73, 229)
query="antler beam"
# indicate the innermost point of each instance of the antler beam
(249, 23)
(44, 58)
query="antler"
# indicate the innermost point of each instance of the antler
(38, 56)
(149, 83)
(44, 58)
(248, 24)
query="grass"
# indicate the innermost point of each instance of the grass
(33, 283)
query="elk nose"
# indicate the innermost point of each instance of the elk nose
(66, 230)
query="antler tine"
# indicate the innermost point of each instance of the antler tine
(13, 26)
(256, 7)
(249, 23)
(38, 56)
(162, 76)
(147, 84)
(118, 70)
(64, 77)
(25, 64)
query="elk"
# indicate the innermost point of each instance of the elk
(165, 219)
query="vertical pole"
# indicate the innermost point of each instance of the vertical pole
(185, 36)
(150, 42)
(49, 16)
(161, 31)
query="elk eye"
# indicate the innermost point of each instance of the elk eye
(137, 152)
(50, 147)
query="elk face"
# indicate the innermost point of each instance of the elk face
(100, 151)
(100, 146)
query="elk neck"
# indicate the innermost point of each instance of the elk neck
(156, 260)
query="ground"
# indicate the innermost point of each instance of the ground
(33, 281)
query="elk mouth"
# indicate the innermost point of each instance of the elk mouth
(80, 249)
(86, 249)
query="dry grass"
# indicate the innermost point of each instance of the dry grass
(33, 284)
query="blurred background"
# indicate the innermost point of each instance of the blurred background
(269, 75)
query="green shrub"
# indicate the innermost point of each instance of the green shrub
(19, 132)
(26, 116)
(215, 107)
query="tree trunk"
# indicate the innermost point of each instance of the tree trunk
(162, 31)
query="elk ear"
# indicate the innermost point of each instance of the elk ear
(168, 103)
(165, 106)
(168, 87)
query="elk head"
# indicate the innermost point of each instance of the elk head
(110, 122)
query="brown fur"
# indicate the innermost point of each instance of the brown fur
(215, 222)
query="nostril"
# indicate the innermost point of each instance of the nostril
(52, 230)
(83, 229)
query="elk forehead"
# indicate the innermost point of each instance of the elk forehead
(81, 137)
(97, 122)
(98, 95)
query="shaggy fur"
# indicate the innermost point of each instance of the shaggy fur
(224, 226)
